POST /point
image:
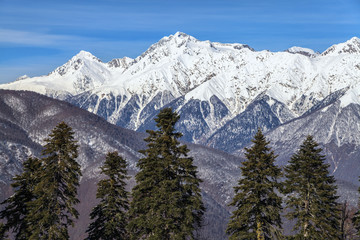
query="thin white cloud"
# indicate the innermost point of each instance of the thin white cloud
(33, 38)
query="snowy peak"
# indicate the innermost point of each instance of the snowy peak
(304, 51)
(86, 55)
(82, 72)
(179, 38)
(181, 35)
(351, 46)
(76, 62)
(168, 45)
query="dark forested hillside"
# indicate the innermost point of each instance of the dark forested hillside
(26, 119)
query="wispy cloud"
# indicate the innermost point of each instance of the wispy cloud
(33, 38)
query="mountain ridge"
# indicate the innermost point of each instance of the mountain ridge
(202, 77)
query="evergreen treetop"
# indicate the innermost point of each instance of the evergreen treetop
(311, 194)
(110, 215)
(53, 209)
(16, 208)
(256, 201)
(167, 203)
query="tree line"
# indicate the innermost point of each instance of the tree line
(166, 201)
(308, 194)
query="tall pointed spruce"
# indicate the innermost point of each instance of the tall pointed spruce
(56, 193)
(258, 206)
(111, 213)
(167, 203)
(16, 209)
(311, 194)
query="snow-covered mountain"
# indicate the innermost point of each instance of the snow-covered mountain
(224, 93)
(349, 47)
(211, 84)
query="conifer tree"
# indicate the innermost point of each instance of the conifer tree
(16, 209)
(356, 218)
(56, 193)
(166, 203)
(111, 213)
(311, 194)
(257, 204)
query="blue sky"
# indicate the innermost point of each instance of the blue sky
(37, 36)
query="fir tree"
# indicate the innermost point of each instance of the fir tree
(356, 218)
(311, 194)
(111, 213)
(16, 209)
(258, 206)
(167, 203)
(56, 193)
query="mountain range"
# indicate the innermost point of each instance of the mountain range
(223, 93)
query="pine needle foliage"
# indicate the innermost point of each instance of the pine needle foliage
(311, 193)
(56, 193)
(256, 201)
(16, 209)
(167, 201)
(110, 215)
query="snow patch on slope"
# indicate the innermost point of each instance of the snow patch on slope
(351, 96)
